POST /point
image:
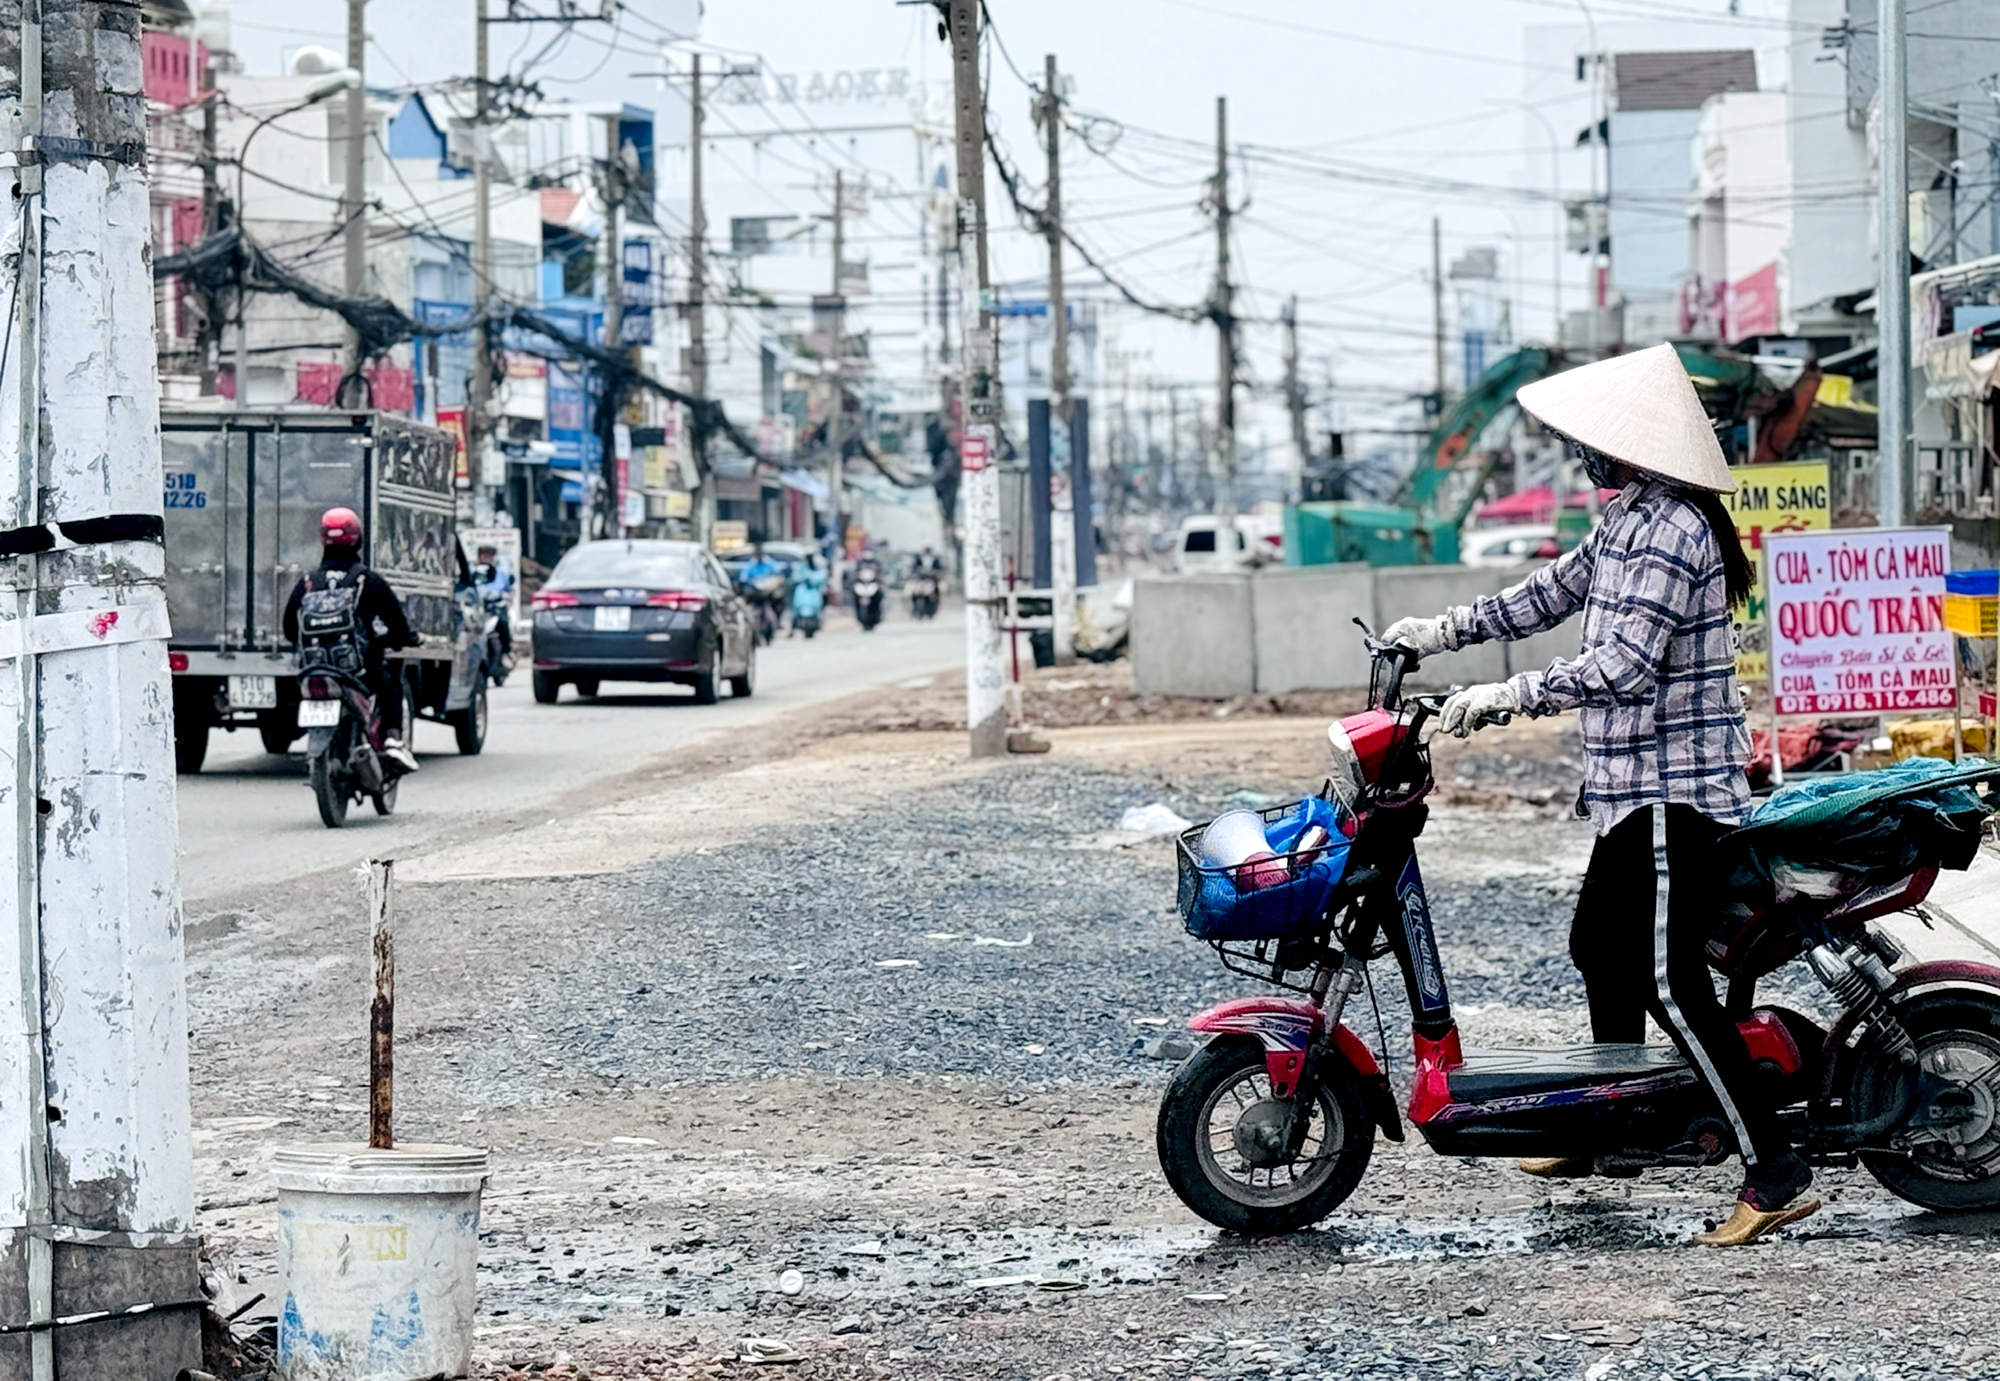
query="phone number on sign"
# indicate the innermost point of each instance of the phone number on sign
(1867, 702)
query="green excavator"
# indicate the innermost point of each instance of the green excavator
(1419, 524)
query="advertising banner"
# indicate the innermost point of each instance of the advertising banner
(506, 542)
(1771, 499)
(452, 422)
(1857, 621)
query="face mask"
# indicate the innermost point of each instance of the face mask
(1599, 467)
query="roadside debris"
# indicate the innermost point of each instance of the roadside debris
(1153, 819)
(767, 1350)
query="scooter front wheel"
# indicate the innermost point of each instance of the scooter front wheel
(1251, 1163)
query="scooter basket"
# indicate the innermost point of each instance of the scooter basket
(1216, 905)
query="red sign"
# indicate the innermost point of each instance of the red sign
(975, 449)
(1753, 305)
(452, 421)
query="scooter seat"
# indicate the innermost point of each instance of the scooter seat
(1487, 1075)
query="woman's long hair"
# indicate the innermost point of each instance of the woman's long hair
(1738, 575)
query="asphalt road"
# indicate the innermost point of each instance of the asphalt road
(248, 819)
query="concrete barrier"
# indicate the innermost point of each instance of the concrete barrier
(1194, 635)
(1420, 591)
(1291, 628)
(1303, 618)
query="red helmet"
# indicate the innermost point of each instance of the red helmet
(340, 527)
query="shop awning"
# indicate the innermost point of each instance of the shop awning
(805, 483)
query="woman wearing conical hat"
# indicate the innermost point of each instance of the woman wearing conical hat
(1655, 689)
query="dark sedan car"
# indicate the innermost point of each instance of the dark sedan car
(638, 610)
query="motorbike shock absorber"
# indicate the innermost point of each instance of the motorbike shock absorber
(1858, 980)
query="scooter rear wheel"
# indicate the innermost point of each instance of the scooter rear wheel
(1955, 1167)
(1215, 1129)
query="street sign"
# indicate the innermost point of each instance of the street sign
(1857, 621)
(975, 449)
(1771, 499)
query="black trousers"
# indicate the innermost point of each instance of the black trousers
(1644, 915)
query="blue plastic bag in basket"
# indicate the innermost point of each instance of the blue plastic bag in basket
(1214, 906)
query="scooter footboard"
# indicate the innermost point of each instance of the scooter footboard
(1287, 1027)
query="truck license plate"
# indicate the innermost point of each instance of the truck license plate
(613, 618)
(319, 714)
(253, 692)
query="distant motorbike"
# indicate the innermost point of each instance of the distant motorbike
(767, 596)
(343, 734)
(808, 605)
(499, 658)
(867, 591)
(923, 592)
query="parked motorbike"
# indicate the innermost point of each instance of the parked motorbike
(1269, 1126)
(923, 592)
(808, 604)
(343, 730)
(867, 592)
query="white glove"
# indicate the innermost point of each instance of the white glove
(1477, 706)
(1427, 637)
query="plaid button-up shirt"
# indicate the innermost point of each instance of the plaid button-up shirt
(1655, 683)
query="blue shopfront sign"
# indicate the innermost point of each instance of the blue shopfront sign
(572, 429)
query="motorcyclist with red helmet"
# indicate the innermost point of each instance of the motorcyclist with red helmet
(378, 612)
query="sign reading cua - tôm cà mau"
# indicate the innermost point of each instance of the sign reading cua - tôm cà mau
(1856, 620)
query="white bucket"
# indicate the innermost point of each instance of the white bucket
(379, 1251)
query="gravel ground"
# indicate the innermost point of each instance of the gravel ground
(893, 1037)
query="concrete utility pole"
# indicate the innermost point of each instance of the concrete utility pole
(354, 193)
(1295, 396)
(1225, 325)
(979, 491)
(611, 398)
(479, 395)
(1062, 491)
(98, 1275)
(1437, 311)
(836, 418)
(697, 351)
(208, 343)
(1892, 297)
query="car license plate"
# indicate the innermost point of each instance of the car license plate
(319, 714)
(253, 692)
(613, 618)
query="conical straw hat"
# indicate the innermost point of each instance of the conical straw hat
(1639, 408)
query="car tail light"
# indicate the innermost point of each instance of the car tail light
(177, 661)
(687, 601)
(555, 599)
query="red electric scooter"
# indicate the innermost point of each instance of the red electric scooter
(1269, 1126)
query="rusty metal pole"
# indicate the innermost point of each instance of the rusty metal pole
(382, 1004)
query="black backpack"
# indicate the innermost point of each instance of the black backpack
(332, 634)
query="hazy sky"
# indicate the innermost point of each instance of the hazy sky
(1329, 100)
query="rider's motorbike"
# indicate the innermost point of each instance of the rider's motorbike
(808, 605)
(867, 591)
(1269, 1126)
(923, 592)
(338, 712)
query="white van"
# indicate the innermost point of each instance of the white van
(1202, 548)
